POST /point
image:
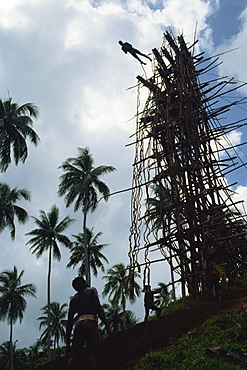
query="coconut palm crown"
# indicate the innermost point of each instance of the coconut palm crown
(95, 255)
(12, 301)
(81, 184)
(15, 127)
(9, 209)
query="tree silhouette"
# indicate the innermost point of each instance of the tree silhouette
(116, 317)
(15, 126)
(8, 208)
(94, 252)
(46, 237)
(81, 184)
(12, 301)
(58, 322)
(120, 286)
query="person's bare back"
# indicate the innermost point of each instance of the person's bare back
(86, 305)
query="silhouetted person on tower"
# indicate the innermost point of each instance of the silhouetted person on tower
(128, 48)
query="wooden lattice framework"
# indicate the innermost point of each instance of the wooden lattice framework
(182, 206)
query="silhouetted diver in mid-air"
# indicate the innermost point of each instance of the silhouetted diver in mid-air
(128, 48)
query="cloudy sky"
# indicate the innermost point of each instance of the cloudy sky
(63, 55)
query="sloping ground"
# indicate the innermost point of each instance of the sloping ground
(123, 350)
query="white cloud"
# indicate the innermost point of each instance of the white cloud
(234, 62)
(227, 142)
(12, 16)
(241, 195)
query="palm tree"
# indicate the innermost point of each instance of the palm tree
(94, 252)
(80, 183)
(46, 237)
(131, 320)
(8, 208)
(36, 354)
(12, 301)
(114, 315)
(20, 357)
(15, 126)
(5, 355)
(57, 320)
(155, 207)
(163, 298)
(121, 285)
(116, 318)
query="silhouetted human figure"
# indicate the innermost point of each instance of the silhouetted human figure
(128, 48)
(86, 305)
(213, 279)
(149, 301)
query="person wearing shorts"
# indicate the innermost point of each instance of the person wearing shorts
(86, 305)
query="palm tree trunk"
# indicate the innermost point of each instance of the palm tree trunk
(87, 268)
(54, 348)
(124, 311)
(49, 306)
(11, 346)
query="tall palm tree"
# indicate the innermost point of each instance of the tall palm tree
(46, 237)
(58, 322)
(81, 184)
(15, 126)
(94, 252)
(120, 285)
(12, 301)
(9, 210)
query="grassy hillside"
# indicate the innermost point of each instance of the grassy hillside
(220, 343)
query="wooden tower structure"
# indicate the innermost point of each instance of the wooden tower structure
(182, 205)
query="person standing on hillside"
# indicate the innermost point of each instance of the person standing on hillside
(149, 301)
(212, 278)
(85, 303)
